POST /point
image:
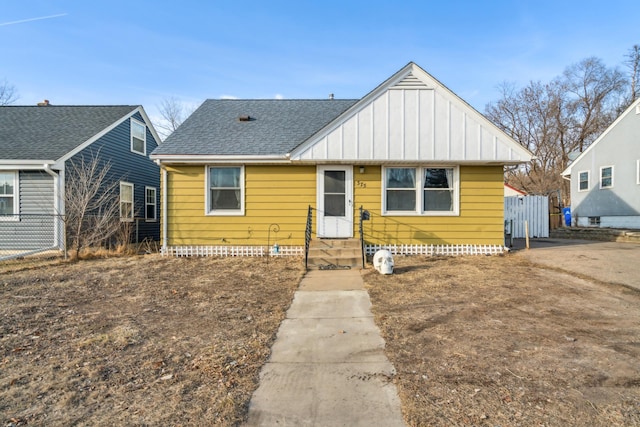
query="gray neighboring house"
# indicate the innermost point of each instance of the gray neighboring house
(605, 178)
(37, 145)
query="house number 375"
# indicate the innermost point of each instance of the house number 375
(361, 184)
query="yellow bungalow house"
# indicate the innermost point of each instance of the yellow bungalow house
(247, 176)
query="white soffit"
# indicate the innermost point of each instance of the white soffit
(412, 117)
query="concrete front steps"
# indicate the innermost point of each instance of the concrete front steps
(334, 254)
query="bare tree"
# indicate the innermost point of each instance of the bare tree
(593, 93)
(633, 64)
(8, 93)
(92, 205)
(556, 118)
(173, 113)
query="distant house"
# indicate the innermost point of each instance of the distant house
(424, 164)
(510, 191)
(605, 178)
(37, 145)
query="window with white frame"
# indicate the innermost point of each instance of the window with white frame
(638, 171)
(420, 191)
(438, 189)
(400, 188)
(126, 201)
(8, 195)
(138, 137)
(583, 181)
(606, 177)
(150, 203)
(225, 190)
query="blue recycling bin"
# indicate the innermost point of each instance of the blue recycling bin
(566, 212)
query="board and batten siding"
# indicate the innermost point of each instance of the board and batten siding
(480, 220)
(281, 195)
(274, 196)
(34, 227)
(417, 124)
(125, 165)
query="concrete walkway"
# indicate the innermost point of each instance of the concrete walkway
(327, 365)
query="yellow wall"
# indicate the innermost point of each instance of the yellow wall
(282, 194)
(481, 219)
(273, 195)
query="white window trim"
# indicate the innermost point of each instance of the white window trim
(207, 193)
(144, 141)
(133, 200)
(420, 193)
(16, 198)
(147, 204)
(638, 171)
(612, 177)
(588, 181)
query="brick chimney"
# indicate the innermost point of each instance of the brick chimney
(44, 103)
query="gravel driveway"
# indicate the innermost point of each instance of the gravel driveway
(612, 262)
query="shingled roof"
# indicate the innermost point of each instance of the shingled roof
(48, 133)
(251, 127)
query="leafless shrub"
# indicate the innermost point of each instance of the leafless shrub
(91, 203)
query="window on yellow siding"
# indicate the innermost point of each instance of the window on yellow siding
(401, 189)
(438, 189)
(420, 191)
(225, 195)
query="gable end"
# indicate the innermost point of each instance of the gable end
(411, 82)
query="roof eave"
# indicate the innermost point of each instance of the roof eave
(24, 164)
(161, 159)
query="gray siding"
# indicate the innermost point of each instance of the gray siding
(618, 147)
(36, 193)
(33, 228)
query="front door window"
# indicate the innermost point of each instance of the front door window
(334, 193)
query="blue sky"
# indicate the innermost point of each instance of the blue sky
(141, 52)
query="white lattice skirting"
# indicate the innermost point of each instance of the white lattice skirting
(227, 251)
(260, 251)
(431, 250)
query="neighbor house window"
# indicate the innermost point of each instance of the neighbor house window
(8, 195)
(421, 190)
(126, 201)
(138, 137)
(150, 203)
(583, 184)
(606, 177)
(225, 190)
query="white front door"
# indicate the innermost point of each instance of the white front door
(335, 201)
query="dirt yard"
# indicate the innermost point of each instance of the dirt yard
(498, 341)
(150, 340)
(484, 341)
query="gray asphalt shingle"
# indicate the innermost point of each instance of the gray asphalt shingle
(48, 133)
(276, 126)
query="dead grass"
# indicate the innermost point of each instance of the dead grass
(489, 341)
(138, 340)
(151, 340)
